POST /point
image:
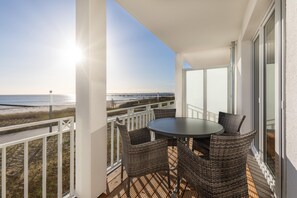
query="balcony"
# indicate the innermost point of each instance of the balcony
(43, 164)
(154, 185)
(252, 37)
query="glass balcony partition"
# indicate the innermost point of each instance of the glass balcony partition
(206, 93)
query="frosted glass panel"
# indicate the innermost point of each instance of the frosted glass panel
(194, 81)
(216, 92)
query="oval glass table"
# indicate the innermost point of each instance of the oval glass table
(181, 128)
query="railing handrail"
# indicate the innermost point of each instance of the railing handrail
(135, 107)
(32, 138)
(32, 124)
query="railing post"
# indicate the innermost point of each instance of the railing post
(26, 169)
(128, 119)
(72, 156)
(148, 112)
(60, 155)
(44, 166)
(132, 118)
(137, 122)
(3, 172)
(111, 142)
(118, 143)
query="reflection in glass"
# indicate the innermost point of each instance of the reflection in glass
(269, 76)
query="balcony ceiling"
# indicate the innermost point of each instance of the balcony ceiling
(188, 26)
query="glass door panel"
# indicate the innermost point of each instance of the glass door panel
(269, 93)
(194, 93)
(217, 92)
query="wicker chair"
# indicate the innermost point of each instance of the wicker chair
(223, 174)
(231, 123)
(165, 113)
(140, 156)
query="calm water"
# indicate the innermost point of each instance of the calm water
(36, 100)
(44, 100)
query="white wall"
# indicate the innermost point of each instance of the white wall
(254, 14)
(291, 97)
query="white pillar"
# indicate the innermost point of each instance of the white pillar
(290, 74)
(243, 86)
(91, 148)
(179, 84)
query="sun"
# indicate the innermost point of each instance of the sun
(77, 54)
(71, 54)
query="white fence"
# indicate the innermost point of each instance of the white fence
(65, 125)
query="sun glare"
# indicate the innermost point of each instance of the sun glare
(72, 54)
(78, 54)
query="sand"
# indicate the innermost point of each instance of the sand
(4, 110)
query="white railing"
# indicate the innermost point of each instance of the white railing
(65, 125)
(197, 112)
(135, 118)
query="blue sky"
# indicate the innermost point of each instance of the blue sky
(35, 35)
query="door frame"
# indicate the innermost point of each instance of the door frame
(276, 182)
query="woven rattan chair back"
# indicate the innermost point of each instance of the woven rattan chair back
(164, 113)
(228, 156)
(223, 174)
(140, 156)
(231, 122)
(126, 142)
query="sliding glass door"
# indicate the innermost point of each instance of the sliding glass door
(265, 92)
(269, 92)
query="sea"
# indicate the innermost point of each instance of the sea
(57, 100)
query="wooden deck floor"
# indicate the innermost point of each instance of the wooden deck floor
(155, 185)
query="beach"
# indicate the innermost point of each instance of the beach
(5, 110)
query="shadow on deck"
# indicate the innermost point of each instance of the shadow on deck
(155, 185)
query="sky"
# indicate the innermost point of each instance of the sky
(36, 39)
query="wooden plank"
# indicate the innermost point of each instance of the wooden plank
(155, 185)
